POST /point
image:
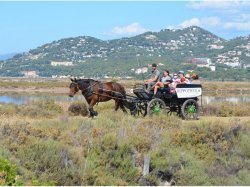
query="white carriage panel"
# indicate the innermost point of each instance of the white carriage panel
(188, 92)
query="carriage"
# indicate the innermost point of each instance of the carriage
(184, 101)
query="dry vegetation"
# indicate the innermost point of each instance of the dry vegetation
(41, 144)
(58, 85)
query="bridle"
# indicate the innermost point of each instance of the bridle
(84, 89)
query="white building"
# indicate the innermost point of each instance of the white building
(55, 63)
(213, 46)
(30, 74)
(141, 70)
(233, 64)
(213, 68)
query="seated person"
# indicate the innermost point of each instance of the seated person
(195, 79)
(175, 77)
(187, 79)
(154, 77)
(164, 82)
(180, 80)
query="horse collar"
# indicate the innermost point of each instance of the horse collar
(87, 90)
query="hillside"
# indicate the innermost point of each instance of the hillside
(173, 49)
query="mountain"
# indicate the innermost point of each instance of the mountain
(173, 49)
(7, 56)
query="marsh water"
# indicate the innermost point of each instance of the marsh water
(25, 99)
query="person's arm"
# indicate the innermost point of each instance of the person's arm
(156, 77)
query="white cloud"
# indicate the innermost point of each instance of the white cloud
(215, 4)
(213, 22)
(244, 17)
(132, 29)
(203, 22)
(229, 14)
(191, 22)
(241, 26)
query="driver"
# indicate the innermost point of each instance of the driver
(154, 77)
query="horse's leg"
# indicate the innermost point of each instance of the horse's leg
(121, 104)
(91, 110)
(117, 105)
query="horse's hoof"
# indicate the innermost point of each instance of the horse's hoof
(133, 112)
(95, 113)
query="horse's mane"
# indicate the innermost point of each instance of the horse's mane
(79, 80)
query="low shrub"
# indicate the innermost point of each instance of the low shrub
(226, 109)
(9, 109)
(110, 149)
(50, 162)
(78, 108)
(7, 173)
(46, 108)
(110, 163)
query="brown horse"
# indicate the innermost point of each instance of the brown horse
(95, 91)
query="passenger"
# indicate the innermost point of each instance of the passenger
(180, 80)
(154, 77)
(174, 80)
(187, 79)
(175, 76)
(195, 79)
(163, 83)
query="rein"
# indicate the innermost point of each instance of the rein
(89, 87)
(105, 90)
(109, 96)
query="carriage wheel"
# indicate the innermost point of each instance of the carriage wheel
(141, 109)
(171, 109)
(156, 107)
(190, 110)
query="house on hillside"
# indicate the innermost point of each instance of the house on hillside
(55, 63)
(30, 74)
(141, 70)
(203, 62)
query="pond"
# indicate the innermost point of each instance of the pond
(24, 99)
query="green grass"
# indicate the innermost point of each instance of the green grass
(110, 149)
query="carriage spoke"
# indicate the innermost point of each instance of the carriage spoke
(156, 106)
(190, 109)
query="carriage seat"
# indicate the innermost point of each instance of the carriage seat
(141, 93)
(164, 90)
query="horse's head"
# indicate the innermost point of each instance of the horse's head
(73, 87)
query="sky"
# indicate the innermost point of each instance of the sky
(29, 24)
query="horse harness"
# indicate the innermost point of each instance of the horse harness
(90, 90)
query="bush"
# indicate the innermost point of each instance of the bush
(8, 109)
(78, 108)
(226, 109)
(110, 163)
(46, 109)
(7, 173)
(110, 149)
(49, 162)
